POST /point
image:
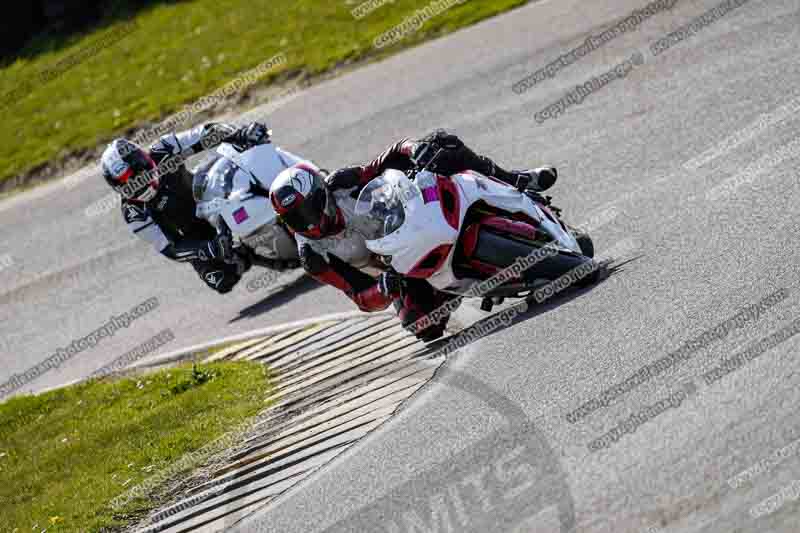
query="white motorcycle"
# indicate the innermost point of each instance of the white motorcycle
(456, 231)
(232, 194)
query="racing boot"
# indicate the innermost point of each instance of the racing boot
(536, 179)
(533, 180)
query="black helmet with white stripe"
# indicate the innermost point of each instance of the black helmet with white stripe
(130, 170)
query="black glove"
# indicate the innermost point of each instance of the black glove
(390, 284)
(442, 139)
(547, 177)
(344, 178)
(220, 248)
(252, 135)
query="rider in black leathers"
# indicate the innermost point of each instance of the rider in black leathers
(157, 201)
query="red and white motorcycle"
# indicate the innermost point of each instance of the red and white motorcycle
(452, 231)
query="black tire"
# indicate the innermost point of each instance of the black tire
(592, 278)
(502, 251)
(586, 244)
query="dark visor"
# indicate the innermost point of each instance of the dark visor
(308, 214)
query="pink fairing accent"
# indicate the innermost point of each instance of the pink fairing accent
(430, 194)
(240, 215)
(307, 167)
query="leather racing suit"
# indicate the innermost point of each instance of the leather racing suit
(339, 259)
(168, 221)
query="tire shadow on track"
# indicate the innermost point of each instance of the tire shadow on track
(509, 480)
(280, 295)
(522, 311)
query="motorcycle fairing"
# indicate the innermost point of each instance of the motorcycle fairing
(223, 193)
(263, 162)
(426, 217)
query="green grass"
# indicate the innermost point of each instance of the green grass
(65, 454)
(180, 51)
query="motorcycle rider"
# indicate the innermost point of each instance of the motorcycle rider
(332, 250)
(158, 203)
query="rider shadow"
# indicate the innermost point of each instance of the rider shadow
(525, 311)
(279, 296)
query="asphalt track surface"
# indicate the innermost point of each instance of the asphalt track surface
(487, 445)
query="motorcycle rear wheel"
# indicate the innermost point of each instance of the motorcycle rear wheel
(586, 243)
(503, 251)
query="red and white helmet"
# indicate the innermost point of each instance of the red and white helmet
(301, 197)
(130, 171)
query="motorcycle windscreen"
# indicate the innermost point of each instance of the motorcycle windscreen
(263, 162)
(217, 182)
(380, 208)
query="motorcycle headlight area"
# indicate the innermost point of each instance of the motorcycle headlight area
(381, 207)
